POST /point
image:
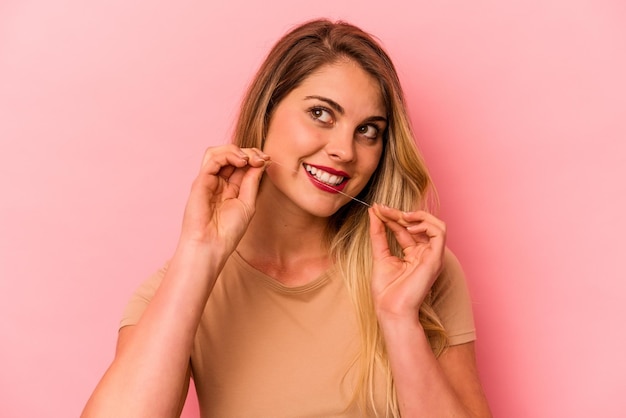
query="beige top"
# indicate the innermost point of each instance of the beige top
(266, 350)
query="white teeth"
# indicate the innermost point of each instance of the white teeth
(323, 176)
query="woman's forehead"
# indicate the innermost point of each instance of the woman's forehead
(346, 83)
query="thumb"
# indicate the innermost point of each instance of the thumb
(250, 185)
(378, 235)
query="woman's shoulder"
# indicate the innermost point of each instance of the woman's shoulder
(452, 302)
(451, 266)
(450, 289)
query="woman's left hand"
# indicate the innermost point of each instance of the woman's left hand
(399, 285)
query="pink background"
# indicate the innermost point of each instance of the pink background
(107, 106)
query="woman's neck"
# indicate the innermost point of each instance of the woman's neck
(285, 243)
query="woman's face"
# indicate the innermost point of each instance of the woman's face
(326, 137)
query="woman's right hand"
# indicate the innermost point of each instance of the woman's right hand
(150, 373)
(223, 196)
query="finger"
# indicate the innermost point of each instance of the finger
(217, 160)
(403, 236)
(256, 157)
(261, 156)
(215, 151)
(391, 219)
(250, 184)
(433, 233)
(406, 218)
(422, 216)
(423, 229)
(243, 181)
(386, 213)
(378, 235)
(250, 179)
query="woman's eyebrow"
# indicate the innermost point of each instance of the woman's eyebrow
(330, 102)
(377, 119)
(340, 109)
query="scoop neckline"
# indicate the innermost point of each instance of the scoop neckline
(274, 284)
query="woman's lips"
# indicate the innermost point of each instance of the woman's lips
(326, 178)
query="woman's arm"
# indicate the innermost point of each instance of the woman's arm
(150, 371)
(425, 386)
(458, 363)
(124, 337)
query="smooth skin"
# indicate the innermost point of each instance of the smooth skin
(228, 211)
(448, 386)
(150, 372)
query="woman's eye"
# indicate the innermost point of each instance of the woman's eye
(369, 131)
(321, 114)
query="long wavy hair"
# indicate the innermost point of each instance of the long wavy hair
(401, 179)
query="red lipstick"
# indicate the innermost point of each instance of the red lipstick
(331, 188)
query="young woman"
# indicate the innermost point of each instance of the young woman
(285, 296)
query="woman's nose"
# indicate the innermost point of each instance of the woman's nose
(340, 145)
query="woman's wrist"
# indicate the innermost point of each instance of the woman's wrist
(199, 259)
(188, 247)
(404, 335)
(396, 322)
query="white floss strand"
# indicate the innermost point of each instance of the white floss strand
(340, 192)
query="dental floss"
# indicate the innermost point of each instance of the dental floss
(338, 191)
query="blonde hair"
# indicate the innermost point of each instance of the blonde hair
(401, 179)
